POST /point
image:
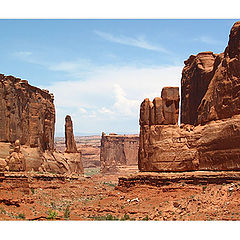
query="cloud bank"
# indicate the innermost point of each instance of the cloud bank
(109, 98)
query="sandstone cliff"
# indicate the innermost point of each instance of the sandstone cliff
(118, 150)
(27, 113)
(208, 138)
(27, 122)
(211, 84)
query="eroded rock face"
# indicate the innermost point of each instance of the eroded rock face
(214, 146)
(16, 161)
(118, 150)
(27, 119)
(196, 76)
(71, 146)
(208, 138)
(27, 113)
(211, 84)
(164, 110)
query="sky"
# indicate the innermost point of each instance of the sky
(101, 70)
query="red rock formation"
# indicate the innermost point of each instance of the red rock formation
(71, 146)
(16, 161)
(196, 76)
(27, 113)
(222, 97)
(210, 97)
(164, 110)
(118, 150)
(214, 146)
(211, 84)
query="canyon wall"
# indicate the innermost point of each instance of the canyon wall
(209, 135)
(118, 150)
(27, 122)
(27, 113)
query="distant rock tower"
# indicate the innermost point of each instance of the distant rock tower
(71, 146)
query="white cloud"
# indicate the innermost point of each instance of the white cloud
(208, 40)
(109, 99)
(136, 42)
(70, 66)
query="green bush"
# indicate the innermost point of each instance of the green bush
(52, 215)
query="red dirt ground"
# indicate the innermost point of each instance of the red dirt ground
(96, 197)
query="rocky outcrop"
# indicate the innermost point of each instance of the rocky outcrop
(214, 146)
(164, 110)
(118, 150)
(196, 76)
(211, 84)
(16, 161)
(71, 146)
(27, 122)
(209, 136)
(27, 113)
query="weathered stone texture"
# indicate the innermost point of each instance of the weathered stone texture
(27, 113)
(196, 76)
(27, 122)
(71, 146)
(211, 84)
(164, 110)
(214, 146)
(209, 136)
(118, 150)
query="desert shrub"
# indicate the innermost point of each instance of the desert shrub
(67, 213)
(146, 218)
(51, 215)
(21, 216)
(108, 217)
(125, 217)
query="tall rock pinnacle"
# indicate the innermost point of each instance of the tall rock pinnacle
(69, 137)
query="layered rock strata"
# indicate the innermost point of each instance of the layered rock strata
(211, 84)
(208, 138)
(118, 150)
(27, 113)
(27, 122)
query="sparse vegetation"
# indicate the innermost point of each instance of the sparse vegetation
(110, 184)
(108, 217)
(21, 216)
(52, 215)
(67, 213)
(125, 217)
(3, 210)
(146, 218)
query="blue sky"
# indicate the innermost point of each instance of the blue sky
(101, 70)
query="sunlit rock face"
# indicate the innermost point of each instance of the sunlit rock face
(209, 135)
(118, 150)
(27, 113)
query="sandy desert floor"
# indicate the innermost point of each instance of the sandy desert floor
(96, 197)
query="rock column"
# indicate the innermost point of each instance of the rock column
(71, 146)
